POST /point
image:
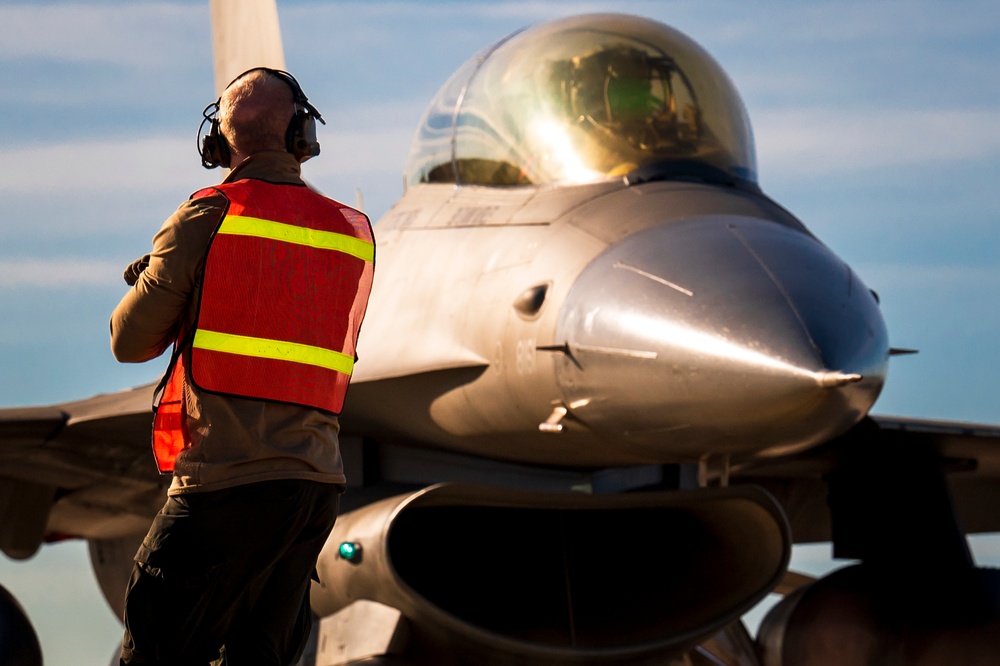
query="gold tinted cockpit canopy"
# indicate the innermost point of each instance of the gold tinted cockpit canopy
(585, 99)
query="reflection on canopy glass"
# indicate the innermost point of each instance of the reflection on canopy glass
(581, 100)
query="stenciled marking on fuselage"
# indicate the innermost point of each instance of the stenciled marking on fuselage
(524, 353)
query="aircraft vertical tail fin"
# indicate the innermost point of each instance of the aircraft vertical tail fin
(245, 34)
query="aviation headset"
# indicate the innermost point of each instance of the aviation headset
(300, 137)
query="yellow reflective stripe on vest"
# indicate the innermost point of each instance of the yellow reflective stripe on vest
(289, 233)
(273, 349)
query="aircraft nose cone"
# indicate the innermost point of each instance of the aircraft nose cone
(732, 332)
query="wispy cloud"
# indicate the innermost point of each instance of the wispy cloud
(845, 21)
(58, 273)
(407, 12)
(924, 278)
(94, 165)
(819, 141)
(169, 165)
(363, 152)
(126, 33)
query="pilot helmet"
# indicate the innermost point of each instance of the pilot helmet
(630, 95)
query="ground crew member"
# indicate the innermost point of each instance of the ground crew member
(259, 285)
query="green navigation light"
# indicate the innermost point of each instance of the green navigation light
(350, 551)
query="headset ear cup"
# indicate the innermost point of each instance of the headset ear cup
(300, 138)
(214, 148)
(223, 148)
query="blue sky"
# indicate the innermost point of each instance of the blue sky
(876, 123)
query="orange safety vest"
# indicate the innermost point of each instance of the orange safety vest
(285, 288)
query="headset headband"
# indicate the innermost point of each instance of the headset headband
(300, 97)
(300, 137)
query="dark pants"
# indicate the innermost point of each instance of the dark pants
(228, 568)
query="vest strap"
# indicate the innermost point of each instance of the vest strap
(278, 350)
(289, 233)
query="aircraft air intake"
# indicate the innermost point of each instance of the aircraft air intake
(571, 578)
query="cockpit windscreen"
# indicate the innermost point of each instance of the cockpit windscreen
(580, 100)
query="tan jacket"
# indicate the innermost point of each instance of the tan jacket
(234, 440)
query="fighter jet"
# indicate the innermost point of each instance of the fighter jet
(604, 384)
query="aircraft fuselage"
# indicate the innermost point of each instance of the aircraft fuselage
(611, 324)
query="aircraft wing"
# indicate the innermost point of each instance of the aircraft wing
(970, 453)
(82, 469)
(78, 469)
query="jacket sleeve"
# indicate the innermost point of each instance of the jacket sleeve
(146, 321)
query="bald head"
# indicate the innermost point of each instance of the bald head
(254, 112)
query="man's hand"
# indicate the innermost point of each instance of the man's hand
(135, 269)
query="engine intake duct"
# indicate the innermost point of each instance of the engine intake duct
(517, 577)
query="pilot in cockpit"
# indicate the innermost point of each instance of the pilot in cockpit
(627, 105)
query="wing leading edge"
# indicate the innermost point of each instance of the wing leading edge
(77, 469)
(894, 452)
